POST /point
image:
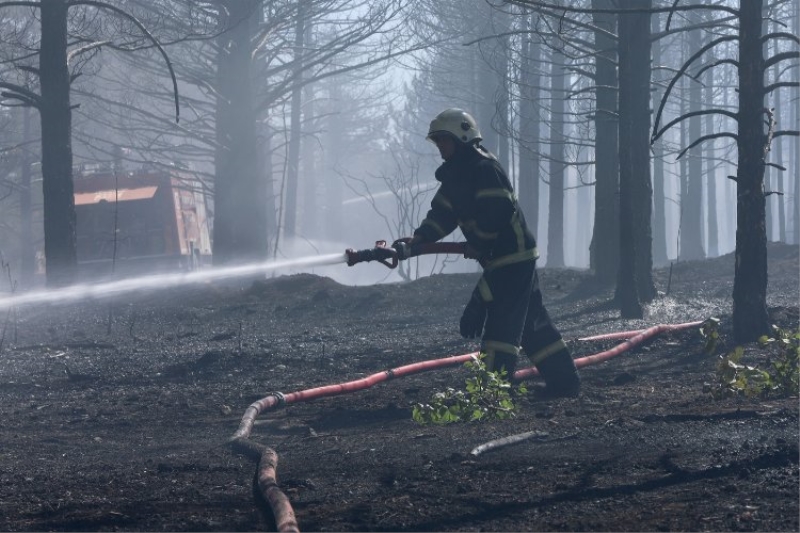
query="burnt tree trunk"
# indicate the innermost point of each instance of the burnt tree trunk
(604, 250)
(660, 255)
(334, 187)
(293, 163)
(502, 28)
(555, 226)
(60, 245)
(26, 248)
(529, 159)
(710, 173)
(794, 114)
(692, 201)
(779, 182)
(641, 69)
(486, 82)
(635, 281)
(240, 220)
(265, 133)
(310, 224)
(750, 317)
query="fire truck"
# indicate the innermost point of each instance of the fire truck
(140, 221)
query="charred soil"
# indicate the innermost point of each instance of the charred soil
(116, 414)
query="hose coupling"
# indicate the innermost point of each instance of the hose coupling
(280, 397)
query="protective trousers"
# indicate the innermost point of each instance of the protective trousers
(516, 317)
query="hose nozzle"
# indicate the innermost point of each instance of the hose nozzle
(382, 253)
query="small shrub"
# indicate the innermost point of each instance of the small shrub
(784, 364)
(709, 330)
(488, 396)
(780, 376)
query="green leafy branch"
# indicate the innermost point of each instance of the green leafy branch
(488, 395)
(709, 330)
(780, 376)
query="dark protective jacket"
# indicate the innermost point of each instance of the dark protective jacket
(476, 196)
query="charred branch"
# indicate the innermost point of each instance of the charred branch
(777, 58)
(17, 92)
(146, 32)
(677, 77)
(705, 138)
(681, 118)
(568, 9)
(789, 84)
(732, 62)
(780, 35)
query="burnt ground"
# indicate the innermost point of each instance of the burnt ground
(134, 436)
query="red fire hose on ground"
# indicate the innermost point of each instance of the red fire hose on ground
(634, 338)
(268, 458)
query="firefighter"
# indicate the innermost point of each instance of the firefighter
(506, 307)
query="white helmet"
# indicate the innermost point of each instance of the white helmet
(457, 123)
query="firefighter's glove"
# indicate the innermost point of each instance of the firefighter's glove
(402, 247)
(473, 318)
(472, 253)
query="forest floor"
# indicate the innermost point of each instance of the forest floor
(124, 424)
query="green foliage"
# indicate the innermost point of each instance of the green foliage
(488, 396)
(781, 377)
(785, 372)
(709, 330)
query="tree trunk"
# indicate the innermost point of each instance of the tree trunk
(309, 151)
(769, 172)
(334, 220)
(750, 317)
(502, 28)
(604, 251)
(711, 171)
(60, 245)
(794, 177)
(555, 224)
(660, 255)
(640, 137)
(293, 167)
(692, 201)
(240, 219)
(529, 175)
(636, 195)
(266, 172)
(27, 250)
(779, 181)
(584, 205)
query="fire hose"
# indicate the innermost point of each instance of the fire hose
(279, 503)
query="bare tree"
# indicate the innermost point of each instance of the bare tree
(635, 192)
(410, 196)
(349, 37)
(753, 140)
(604, 249)
(691, 243)
(55, 111)
(557, 168)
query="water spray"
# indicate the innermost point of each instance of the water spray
(388, 255)
(160, 281)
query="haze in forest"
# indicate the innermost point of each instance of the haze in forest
(302, 127)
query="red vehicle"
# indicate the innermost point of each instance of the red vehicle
(142, 221)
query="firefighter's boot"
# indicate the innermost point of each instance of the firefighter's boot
(560, 376)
